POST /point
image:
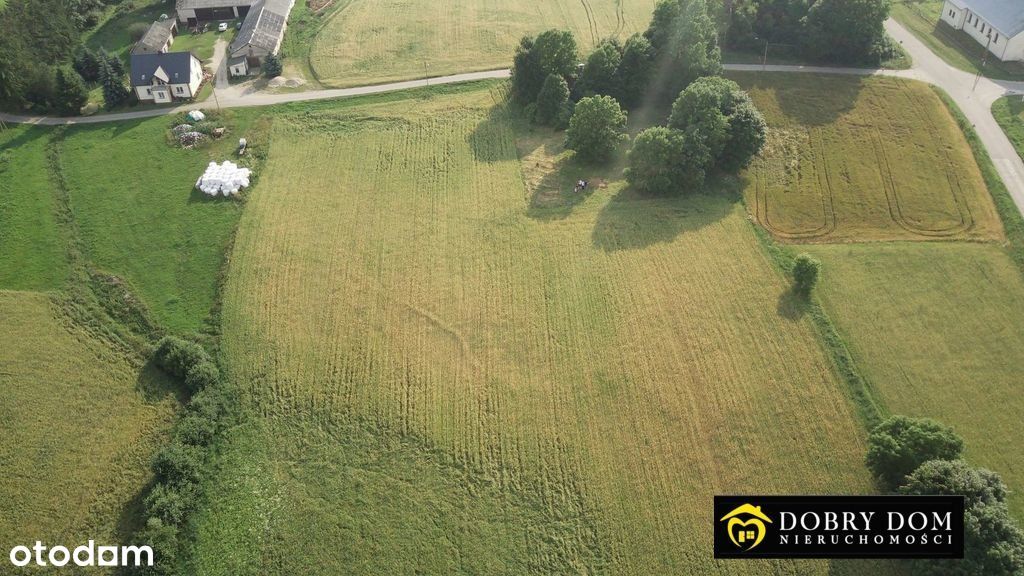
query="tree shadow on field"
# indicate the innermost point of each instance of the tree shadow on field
(807, 99)
(632, 220)
(494, 138)
(792, 305)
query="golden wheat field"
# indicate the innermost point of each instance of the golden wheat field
(575, 381)
(376, 41)
(79, 425)
(863, 159)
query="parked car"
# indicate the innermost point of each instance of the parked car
(222, 27)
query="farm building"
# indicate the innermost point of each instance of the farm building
(158, 38)
(260, 35)
(192, 12)
(165, 77)
(996, 24)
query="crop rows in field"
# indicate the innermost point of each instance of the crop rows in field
(420, 39)
(613, 368)
(887, 162)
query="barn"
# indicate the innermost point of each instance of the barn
(998, 25)
(194, 12)
(260, 35)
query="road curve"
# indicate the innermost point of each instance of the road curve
(974, 96)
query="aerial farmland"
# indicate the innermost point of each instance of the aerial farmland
(509, 288)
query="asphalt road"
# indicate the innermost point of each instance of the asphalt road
(973, 95)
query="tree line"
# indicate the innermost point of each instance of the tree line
(43, 65)
(713, 127)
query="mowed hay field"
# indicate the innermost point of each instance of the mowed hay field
(863, 159)
(79, 424)
(937, 330)
(559, 390)
(377, 41)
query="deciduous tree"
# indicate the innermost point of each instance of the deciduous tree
(597, 127)
(899, 445)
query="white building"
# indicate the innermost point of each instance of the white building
(196, 12)
(996, 24)
(166, 77)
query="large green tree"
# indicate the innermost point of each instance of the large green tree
(993, 543)
(551, 52)
(897, 446)
(71, 92)
(846, 30)
(600, 73)
(633, 77)
(685, 42)
(597, 127)
(552, 100)
(115, 93)
(721, 115)
(664, 161)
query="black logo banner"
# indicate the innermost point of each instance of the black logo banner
(839, 527)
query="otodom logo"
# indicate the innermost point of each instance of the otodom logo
(745, 526)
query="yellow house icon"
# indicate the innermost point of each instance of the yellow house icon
(750, 530)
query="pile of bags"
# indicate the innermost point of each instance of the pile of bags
(225, 179)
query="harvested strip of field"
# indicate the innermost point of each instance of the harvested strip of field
(617, 363)
(377, 41)
(32, 255)
(863, 159)
(79, 424)
(942, 338)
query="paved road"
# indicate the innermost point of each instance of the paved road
(973, 96)
(219, 64)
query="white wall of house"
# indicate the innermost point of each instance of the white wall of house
(976, 27)
(240, 69)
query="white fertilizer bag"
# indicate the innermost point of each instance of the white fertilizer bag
(225, 179)
(196, 116)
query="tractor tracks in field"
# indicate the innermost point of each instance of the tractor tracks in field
(591, 21)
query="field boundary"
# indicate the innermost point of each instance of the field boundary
(870, 408)
(1011, 217)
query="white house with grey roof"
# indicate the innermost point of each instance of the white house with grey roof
(995, 24)
(260, 35)
(165, 77)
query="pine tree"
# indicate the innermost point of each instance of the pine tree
(71, 92)
(115, 92)
(272, 66)
(87, 64)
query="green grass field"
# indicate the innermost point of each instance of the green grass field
(421, 39)
(32, 254)
(940, 339)
(451, 374)
(144, 222)
(78, 424)
(1009, 112)
(855, 159)
(956, 47)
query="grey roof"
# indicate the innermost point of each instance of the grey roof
(1006, 16)
(155, 38)
(177, 66)
(263, 26)
(193, 4)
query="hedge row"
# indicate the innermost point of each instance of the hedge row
(178, 467)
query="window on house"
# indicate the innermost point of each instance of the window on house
(179, 90)
(149, 92)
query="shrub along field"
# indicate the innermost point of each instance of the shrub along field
(448, 378)
(78, 422)
(855, 159)
(1009, 112)
(941, 339)
(422, 39)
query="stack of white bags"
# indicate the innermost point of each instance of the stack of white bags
(225, 179)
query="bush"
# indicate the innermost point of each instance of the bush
(171, 505)
(551, 100)
(164, 540)
(195, 430)
(201, 375)
(208, 403)
(899, 445)
(178, 465)
(272, 66)
(552, 52)
(71, 92)
(722, 115)
(600, 73)
(993, 543)
(806, 269)
(597, 127)
(176, 356)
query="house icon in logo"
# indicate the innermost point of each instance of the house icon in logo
(746, 527)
